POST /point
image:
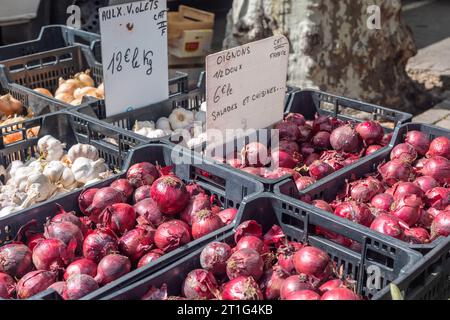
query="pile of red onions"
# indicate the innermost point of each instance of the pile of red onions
(124, 226)
(261, 267)
(408, 198)
(314, 148)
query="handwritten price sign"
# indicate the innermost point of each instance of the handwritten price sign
(134, 54)
(246, 86)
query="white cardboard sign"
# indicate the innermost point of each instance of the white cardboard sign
(246, 85)
(134, 54)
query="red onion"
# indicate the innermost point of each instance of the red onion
(334, 158)
(136, 242)
(340, 294)
(197, 203)
(297, 118)
(254, 243)
(311, 158)
(419, 141)
(245, 262)
(313, 262)
(426, 183)
(148, 209)
(322, 123)
(370, 131)
(7, 286)
(417, 235)
(439, 147)
(124, 186)
(285, 160)
(372, 149)
(402, 189)
(382, 201)
(227, 216)
(248, 228)
(289, 146)
(78, 286)
(293, 284)
(388, 225)
(345, 139)
(205, 222)
(288, 131)
(323, 205)
(438, 198)
(103, 198)
(304, 182)
(272, 281)
(330, 285)
(85, 199)
(364, 190)
(387, 139)
(320, 169)
(426, 218)
(68, 217)
(306, 149)
(58, 287)
(242, 288)
(255, 154)
(408, 209)
(394, 171)
(141, 193)
(119, 217)
(143, 173)
(150, 257)
(355, 211)
(66, 232)
(285, 256)
(200, 284)
(34, 239)
(321, 140)
(437, 168)
(170, 194)
(214, 257)
(15, 260)
(112, 267)
(34, 282)
(99, 243)
(303, 295)
(404, 152)
(441, 225)
(52, 254)
(81, 266)
(172, 234)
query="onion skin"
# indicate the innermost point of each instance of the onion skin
(272, 281)
(345, 139)
(137, 242)
(200, 284)
(288, 131)
(85, 199)
(141, 174)
(78, 286)
(304, 182)
(312, 262)
(204, 223)
(403, 189)
(388, 225)
(417, 235)
(330, 285)
(395, 171)
(58, 287)
(382, 201)
(81, 266)
(214, 257)
(293, 284)
(438, 168)
(149, 257)
(119, 217)
(303, 295)
(297, 118)
(172, 234)
(364, 190)
(441, 225)
(340, 294)
(387, 138)
(103, 198)
(141, 193)
(124, 186)
(355, 211)
(7, 286)
(99, 243)
(320, 169)
(439, 147)
(248, 228)
(15, 260)
(245, 262)
(148, 209)
(242, 288)
(34, 282)
(419, 141)
(170, 195)
(321, 140)
(66, 232)
(404, 152)
(438, 198)
(408, 209)
(370, 131)
(323, 205)
(112, 267)
(197, 203)
(372, 149)
(426, 183)
(227, 216)
(51, 254)
(252, 242)
(283, 159)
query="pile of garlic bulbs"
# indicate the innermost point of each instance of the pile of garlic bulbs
(73, 90)
(184, 123)
(53, 171)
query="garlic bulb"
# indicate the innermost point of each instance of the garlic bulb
(58, 173)
(39, 188)
(85, 169)
(163, 124)
(13, 166)
(143, 124)
(181, 118)
(82, 150)
(157, 133)
(143, 131)
(51, 148)
(21, 177)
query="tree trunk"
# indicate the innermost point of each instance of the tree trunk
(333, 49)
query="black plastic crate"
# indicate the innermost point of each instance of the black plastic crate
(391, 258)
(44, 69)
(330, 186)
(228, 188)
(50, 38)
(309, 103)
